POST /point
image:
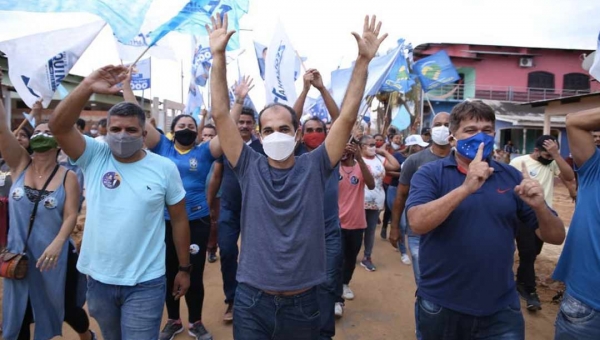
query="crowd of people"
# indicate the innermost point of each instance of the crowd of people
(302, 198)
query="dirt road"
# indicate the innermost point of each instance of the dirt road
(384, 303)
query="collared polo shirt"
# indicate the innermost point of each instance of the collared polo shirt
(466, 262)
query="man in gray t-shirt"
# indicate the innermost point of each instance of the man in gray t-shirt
(439, 149)
(282, 257)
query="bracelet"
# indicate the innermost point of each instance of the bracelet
(239, 101)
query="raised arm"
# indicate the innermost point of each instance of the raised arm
(240, 91)
(13, 153)
(391, 163)
(62, 121)
(152, 134)
(340, 131)
(364, 169)
(230, 140)
(580, 126)
(332, 108)
(299, 104)
(566, 172)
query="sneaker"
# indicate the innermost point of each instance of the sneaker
(405, 259)
(339, 309)
(199, 332)
(367, 264)
(172, 328)
(348, 294)
(212, 257)
(228, 317)
(383, 232)
(532, 300)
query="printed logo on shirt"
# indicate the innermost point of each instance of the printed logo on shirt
(341, 177)
(111, 180)
(193, 164)
(533, 173)
(17, 194)
(502, 191)
(354, 180)
(50, 203)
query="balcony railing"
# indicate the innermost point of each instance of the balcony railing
(501, 93)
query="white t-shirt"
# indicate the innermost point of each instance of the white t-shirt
(542, 173)
(375, 199)
(100, 138)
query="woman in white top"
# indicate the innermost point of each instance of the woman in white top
(378, 161)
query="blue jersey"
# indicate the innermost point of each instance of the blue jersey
(193, 167)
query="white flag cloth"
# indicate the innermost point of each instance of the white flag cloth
(595, 69)
(38, 63)
(279, 69)
(131, 50)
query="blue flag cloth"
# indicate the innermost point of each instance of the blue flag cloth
(401, 118)
(124, 17)
(399, 79)
(435, 71)
(195, 15)
(318, 109)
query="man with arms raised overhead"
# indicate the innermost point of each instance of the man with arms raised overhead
(282, 257)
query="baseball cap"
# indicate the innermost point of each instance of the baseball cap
(426, 131)
(415, 140)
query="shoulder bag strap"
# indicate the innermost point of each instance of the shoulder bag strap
(35, 206)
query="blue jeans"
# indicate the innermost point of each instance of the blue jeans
(331, 289)
(259, 315)
(127, 312)
(391, 196)
(576, 320)
(435, 322)
(372, 216)
(413, 247)
(229, 233)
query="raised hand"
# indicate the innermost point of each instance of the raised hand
(308, 78)
(242, 87)
(317, 80)
(530, 190)
(369, 42)
(479, 171)
(106, 79)
(551, 147)
(217, 34)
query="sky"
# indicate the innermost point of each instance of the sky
(320, 30)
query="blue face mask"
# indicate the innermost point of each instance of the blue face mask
(468, 147)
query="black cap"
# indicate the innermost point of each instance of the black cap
(426, 131)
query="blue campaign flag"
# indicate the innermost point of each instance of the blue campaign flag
(401, 118)
(195, 15)
(124, 17)
(435, 71)
(399, 79)
(318, 109)
(141, 80)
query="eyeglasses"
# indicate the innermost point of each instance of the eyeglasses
(370, 145)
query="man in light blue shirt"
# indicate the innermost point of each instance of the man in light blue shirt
(579, 263)
(127, 189)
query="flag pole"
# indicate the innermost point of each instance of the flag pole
(301, 61)
(181, 81)
(141, 55)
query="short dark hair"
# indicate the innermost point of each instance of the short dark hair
(314, 119)
(539, 142)
(289, 109)
(210, 126)
(81, 124)
(102, 122)
(178, 117)
(469, 110)
(127, 109)
(378, 135)
(248, 112)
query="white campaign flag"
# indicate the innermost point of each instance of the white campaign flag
(595, 69)
(279, 69)
(38, 63)
(131, 50)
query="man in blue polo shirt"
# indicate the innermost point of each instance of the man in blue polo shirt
(467, 207)
(579, 263)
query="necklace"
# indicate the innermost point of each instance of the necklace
(36, 171)
(348, 172)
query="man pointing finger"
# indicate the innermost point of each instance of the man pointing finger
(467, 208)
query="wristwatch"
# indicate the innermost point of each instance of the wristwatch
(186, 268)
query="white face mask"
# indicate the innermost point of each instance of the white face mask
(279, 146)
(395, 146)
(440, 134)
(370, 151)
(94, 131)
